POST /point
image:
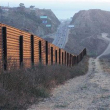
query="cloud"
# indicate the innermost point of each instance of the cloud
(88, 0)
(71, 0)
(55, 1)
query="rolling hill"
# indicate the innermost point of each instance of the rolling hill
(89, 26)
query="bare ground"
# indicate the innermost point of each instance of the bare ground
(88, 92)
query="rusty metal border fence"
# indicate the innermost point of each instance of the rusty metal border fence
(25, 48)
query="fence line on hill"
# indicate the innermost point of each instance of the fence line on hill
(25, 48)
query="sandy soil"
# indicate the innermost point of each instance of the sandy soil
(88, 92)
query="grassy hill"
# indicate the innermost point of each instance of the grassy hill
(88, 28)
(28, 19)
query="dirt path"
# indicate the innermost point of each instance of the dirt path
(88, 92)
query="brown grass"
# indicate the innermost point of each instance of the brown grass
(19, 88)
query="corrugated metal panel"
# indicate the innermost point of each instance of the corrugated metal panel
(1, 46)
(13, 50)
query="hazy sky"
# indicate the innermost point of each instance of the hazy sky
(62, 8)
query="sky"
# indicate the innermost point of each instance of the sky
(63, 9)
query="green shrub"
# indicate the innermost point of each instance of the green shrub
(39, 92)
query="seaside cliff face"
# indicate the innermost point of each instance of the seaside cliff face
(89, 27)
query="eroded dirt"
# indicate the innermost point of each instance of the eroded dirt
(88, 92)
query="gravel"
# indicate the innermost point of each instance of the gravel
(88, 92)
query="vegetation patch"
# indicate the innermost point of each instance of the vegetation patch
(105, 63)
(61, 105)
(22, 87)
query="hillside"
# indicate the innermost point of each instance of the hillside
(89, 26)
(29, 19)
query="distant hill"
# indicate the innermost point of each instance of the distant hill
(29, 19)
(88, 28)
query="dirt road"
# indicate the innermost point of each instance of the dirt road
(88, 92)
